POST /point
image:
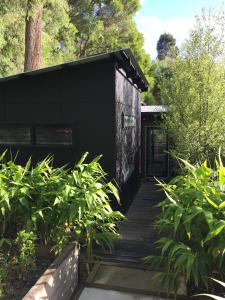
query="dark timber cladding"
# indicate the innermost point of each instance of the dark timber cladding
(88, 105)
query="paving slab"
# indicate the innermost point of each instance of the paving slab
(124, 277)
(100, 294)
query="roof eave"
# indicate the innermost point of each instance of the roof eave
(124, 57)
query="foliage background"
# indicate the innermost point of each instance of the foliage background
(71, 29)
(193, 87)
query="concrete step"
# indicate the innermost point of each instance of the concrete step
(90, 293)
(123, 280)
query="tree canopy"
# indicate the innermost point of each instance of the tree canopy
(166, 46)
(195, 91)
(70, 29)
(56, 26)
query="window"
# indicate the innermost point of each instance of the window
(128, 121)
(15, 135)
(36, 135)
(53, 135)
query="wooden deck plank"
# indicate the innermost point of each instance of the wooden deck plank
(138, 233)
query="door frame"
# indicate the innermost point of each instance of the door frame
(146, 148)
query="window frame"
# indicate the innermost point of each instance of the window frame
(12, 126)
(125, 118)
(33, 138)
(52, 126)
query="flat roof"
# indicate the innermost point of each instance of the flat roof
(124, 58)
(154, 108)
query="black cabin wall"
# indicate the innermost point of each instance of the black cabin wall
(92, 98)
(80, 96)
(127, 137)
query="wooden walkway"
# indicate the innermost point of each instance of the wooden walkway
(137, 232)
(122, 274)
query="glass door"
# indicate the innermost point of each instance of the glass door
(156, 153)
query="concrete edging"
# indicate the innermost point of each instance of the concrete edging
(60, 279)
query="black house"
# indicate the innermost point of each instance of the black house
(88, 105)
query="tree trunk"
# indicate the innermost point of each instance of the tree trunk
(33, 39)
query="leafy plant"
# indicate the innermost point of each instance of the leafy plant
(195, 90)
(85, 205)
(48, 201)
(61, 239)
(193, 224)
(26, 243)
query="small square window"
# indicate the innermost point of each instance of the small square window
(11, 135)
(53, 135)
(128, 121)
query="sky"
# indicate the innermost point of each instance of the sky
(174, 16)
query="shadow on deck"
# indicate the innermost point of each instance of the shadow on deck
(137, 232)
(122, 274)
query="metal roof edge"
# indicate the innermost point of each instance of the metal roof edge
(131, 68)
(154, 108)
(124, 56)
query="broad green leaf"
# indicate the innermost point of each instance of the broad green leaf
(216, 229)
(3, 211)
(114, 191)
(209, 217)
(177, 218)
(84, 156)
(24, 203)
(163, 240)
(185, 162)
(170, 198)
(211, 202)
(180, 261)
(194, 212)
(195, 271)
(166, 246)
(189, 265)
(96, 159)
(176, 248)
(222, 175)
(205, 164)
(222, 205)
(57, 201)
(3, 155)
(187, 225)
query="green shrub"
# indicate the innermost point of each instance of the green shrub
(27, 252)
(84, 205)
(50, 201)
(193, 224)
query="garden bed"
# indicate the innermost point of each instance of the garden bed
(47, 279)
(49, 206)
(60, 279)
(18, 283)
